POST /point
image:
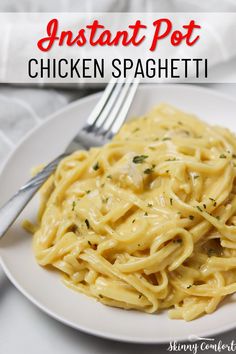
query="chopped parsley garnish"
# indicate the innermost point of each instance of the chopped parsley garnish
(213, 200)
(186, 132)
(234, 156)
(87, 223)
(96, 166)
(189, 286)
(100, 296)
(136, 130)
(198, 207)
(195, 176)
(191, 217)
(166, 138)
(140, 295)
(222, 156)
(139, 158)
(148, 171)
(171, 201)
(73, 205)
(109, 176)
(90, 244)
(145, 214)
(204, 206)
(167, 171)
(180, 123)
(172, 159)
(150, 205)
(133, 221)
(87, 192)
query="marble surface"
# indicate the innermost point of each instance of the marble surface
(24, 329)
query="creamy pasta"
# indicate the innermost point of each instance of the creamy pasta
(148, 221)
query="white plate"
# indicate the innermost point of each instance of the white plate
(43, 287)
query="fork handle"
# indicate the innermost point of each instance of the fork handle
(14, 206)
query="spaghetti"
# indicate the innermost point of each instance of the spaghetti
(148, 221)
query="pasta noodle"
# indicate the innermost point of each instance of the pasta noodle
(148, 221)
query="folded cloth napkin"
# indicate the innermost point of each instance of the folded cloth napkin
(22, 108)
(117, 6)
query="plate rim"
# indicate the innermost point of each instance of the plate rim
(45, 309)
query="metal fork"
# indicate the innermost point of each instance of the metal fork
(103, 123)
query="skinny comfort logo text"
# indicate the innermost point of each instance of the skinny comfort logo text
(199, 345)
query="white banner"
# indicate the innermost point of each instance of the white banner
(81, 48)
